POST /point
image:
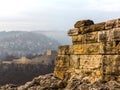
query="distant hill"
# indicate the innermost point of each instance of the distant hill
(15, 44)
(60, 36)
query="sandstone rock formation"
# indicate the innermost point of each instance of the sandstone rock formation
(92, 62)
(94, 54)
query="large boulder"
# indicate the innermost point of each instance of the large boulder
(82, 23)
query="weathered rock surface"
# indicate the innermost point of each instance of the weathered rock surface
(92, 62)
(49, 82)
(95, 52)
(8, 87)
(83, 23)
(46, 82)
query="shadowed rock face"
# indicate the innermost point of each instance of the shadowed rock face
(94, 53)
(19, 71)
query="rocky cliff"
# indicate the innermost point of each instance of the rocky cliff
(92, 62)
(94, 54)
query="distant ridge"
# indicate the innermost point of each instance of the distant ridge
(23, 43)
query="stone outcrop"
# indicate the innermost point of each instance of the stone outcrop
(46, 82)
(49, 82)
(94, 53)
(92, 62)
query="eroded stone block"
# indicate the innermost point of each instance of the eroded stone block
(73, 32)
(97, 36)
(62, 61)
(91, 37)
(109, 35)
(94, 48)
(112, 23)
(111, 65)
(78, 49)
(83, 23)
(61, 66)
(90, 62)
(60, 72)
(92, 28)
(75, 61)
(95, 53)
(112, 48)
(85, 38)
(116, 34)
(65, 50)
(78, 39)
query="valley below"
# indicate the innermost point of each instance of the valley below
(19, 71)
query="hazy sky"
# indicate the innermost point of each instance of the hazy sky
(54, 14)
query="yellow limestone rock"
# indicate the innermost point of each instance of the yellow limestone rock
(112, 23)
(94, 53)
(73, 32)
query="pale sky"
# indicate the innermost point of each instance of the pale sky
(54, 14)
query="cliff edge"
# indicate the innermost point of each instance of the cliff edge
(92, 62)
(94, 53)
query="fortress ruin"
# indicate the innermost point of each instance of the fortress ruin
(94, 53)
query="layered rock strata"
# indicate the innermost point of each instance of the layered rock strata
(94, 53)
